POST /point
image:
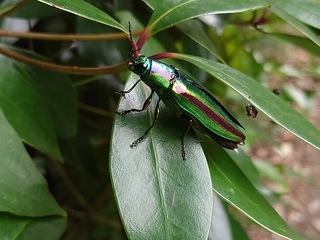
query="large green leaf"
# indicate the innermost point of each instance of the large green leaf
(49, 228)
(195, 30)
(306, 11)
(8, 5)
(18, 228)
(23, 190)
(85, 10)
(58, 92)
(232, 185)
(61, 99)
(260, 97)
(168, 12)
(96, 53)
(306, 30)
(26, 109)
(248, 168)
(31, 10)
(159, 195)
(223, 225)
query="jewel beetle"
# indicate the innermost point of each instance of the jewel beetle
(186, 98)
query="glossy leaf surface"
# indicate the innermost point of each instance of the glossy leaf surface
(58, 92)
(24, 190)
(168, 13)
(306, 30)
(26, 109)
(49, 228)
(194, 29)
(306, 11)
(85, 10)
(32, 10)
(61, 99)
(261, 98)
(159, 195)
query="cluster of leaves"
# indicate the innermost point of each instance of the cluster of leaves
(48, 117)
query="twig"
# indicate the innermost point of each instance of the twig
(121, 67)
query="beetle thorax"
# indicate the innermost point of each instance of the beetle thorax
(140, 66)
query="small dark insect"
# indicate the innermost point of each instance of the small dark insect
(251, 111)
(276, 91)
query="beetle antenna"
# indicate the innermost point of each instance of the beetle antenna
(134, 51)
(131, 38)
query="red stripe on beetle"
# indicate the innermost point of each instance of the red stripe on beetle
(209, 112)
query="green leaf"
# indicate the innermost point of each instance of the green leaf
(25, 108)
(224, 226)
(260, 97)
(248, 168)
(91, 51)
(220, 228)
(168, 12)
(159, 195)
(267, 170)
(306, 30)
(306, 11)
(23, 190)
(238, 232)
(49, 228)
(302, 42)
(85, 10)
(232, 185)
(34, 10)
(194, 29)
(8, 5)
(61, 99)
(58, 92)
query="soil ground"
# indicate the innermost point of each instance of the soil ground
(300, 208)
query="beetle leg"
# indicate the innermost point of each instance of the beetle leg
(156, 114)
(145, 105)
(129, 90)
(183, 151)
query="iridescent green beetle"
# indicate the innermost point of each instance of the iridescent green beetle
(187, 99)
